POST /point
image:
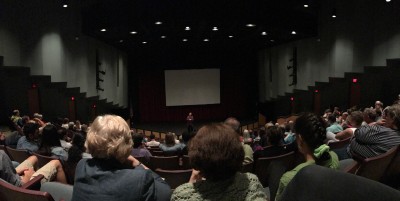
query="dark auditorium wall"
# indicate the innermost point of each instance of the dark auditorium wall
(238, 83)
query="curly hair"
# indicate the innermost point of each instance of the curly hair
(109, 137)
(216, 151)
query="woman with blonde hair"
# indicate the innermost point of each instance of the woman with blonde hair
(112, 174)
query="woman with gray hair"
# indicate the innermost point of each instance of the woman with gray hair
(112, 174)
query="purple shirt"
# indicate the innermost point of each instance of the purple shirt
(141, 152)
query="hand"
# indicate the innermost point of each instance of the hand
(381, 122)
(27, 175)
(196, 176)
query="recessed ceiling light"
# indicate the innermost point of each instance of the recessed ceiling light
(293, 32)
(264, 33)
(230, 36)
(305, 5)
(103, 30)
(184, 40)
(250, 25)
(133, 32)
(387, 0)
(65, 5)
(121, 41)
(163, 36)
(187, 28)
(158, 23)
(206, 40)
(272, 40)
(215, 29)
(333, 16)
(144, 42)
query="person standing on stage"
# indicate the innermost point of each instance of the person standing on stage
(189, 120)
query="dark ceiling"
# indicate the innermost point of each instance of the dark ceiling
(278, 18)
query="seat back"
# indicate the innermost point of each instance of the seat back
(392, 173)
(262, 165)
(374, 168)
(18, 155)
(175, 178)
(10, 192)
(164, 162)
(43, 160)
(339, 144)
(157, 153)
(186, 162)
(57, 190)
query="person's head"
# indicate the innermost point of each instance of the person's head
(31, 130)
(109, 137)
(25, 119)
(378, 104)
(310, 132)
(355, 119)
(169, 139)
(65, 121)
(16, 112)
(269, 124)
(190, 114)
(137, 140)
(233, 123)
(152, 137)
(78, 147)
(62, 133)
(50, 136)
(369, 115)
(275, 135)
(216, 151)
(392, 117)
(331, 119)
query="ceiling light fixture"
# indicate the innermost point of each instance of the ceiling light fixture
(158, 23)
(264, 33)
(187, 28)
(293, 32)
(334, 13)
(305, 5)
(250, 25)
(103, 30)
(133, 32)
(144, 42)
(272, 40)
(184, 40)
(65, 5)
(387, 0)
(163, 36)
(230, 36)
(206, 40)
(215, 29)
(121, 41)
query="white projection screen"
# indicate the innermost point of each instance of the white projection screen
(192, 87)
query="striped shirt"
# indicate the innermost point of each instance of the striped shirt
(373, 140)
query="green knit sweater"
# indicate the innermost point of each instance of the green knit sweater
(240, 187)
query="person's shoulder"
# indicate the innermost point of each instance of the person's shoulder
(185, 191)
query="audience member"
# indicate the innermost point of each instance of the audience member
(75, 153)
(248, 151)
(51, 145)
(186, 137)
(354, 121)
(62, 134)
(152, 142)
(112, 174)
(334, 127)
(16, 118)
(369, 116)
(30, 140)
(310, 136)
(170, 147)
(138, 147)
(274, 148)
(217, 155)
(290, 136)
(25, 171)
(374, 140)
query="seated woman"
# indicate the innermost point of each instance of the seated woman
(25, 171)
(170, 147)
(310, 132)
(75, 154)
(112, 174)
(216, 155)
(275, 146)
(51, 145)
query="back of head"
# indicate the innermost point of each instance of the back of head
(109, 137)
(216, 151)
(275, 135)
(312, 129)
(369, 115)
(356, 118)
(78, 147)
(233, 123)
(152, 136)
(50, 136)
(137, 140)
(169, 139)
(30, 128)
(332, 118)
(393, 112)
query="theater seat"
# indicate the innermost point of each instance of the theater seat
(314, 183)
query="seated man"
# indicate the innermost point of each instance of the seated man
(51, 171)
(138, 147)
(334, 127)
(29, 141)
(374, 140)
(248, 151)
(152, 142)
